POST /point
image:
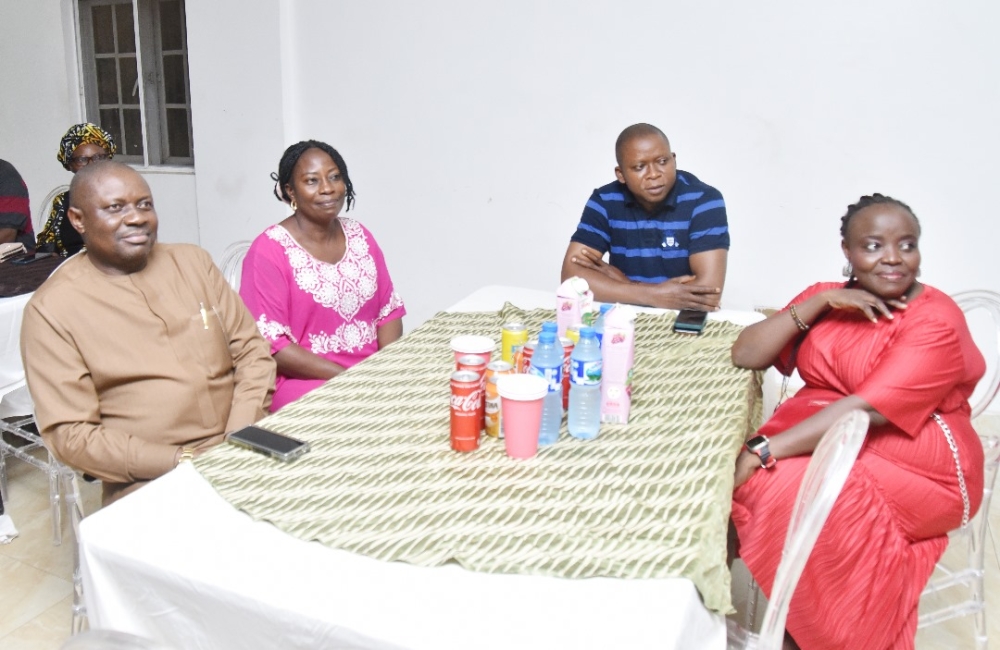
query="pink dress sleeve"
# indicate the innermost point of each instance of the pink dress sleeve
(390, 304)
(265, 287)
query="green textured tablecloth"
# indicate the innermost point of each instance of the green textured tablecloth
(649, 499)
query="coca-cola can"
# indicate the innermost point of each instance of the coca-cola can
(466, 410)
(567, 345)
(478, 365)
(523, 357)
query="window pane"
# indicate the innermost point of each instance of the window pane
(133, 132)
(107, 81)
(109, 122)
(126, 28)
(104, 34)
(171, 25)
(173, 79)
(177, 133)
(130, 80)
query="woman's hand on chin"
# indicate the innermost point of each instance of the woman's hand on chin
(865, 302)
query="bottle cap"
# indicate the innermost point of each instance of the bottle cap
(587, 333)
(547, 337)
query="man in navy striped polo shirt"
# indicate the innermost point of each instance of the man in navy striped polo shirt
(665, 230)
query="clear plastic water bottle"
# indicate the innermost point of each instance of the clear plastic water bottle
(599, 323)
(547, 363)
(584, 419)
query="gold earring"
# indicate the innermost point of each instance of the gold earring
(294, 207)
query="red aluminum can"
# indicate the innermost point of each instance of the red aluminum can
(466, 410)
(477, 365)
(567, 344)
(524, 356)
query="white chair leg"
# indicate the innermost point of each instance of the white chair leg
(74, 508)
(55, 501)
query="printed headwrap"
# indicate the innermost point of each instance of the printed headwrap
(85, 133)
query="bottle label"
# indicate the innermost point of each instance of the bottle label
(586, 373)
(552, 375)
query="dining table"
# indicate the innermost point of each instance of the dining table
(383, 537)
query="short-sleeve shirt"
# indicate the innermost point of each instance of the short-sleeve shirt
(655, 247)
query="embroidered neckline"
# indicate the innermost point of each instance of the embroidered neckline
(343, 286)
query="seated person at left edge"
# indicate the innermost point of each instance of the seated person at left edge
(665, 230)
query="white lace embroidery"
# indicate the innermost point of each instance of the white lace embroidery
(395, 302)
(344, 286)
(272, 331)
(349, 337)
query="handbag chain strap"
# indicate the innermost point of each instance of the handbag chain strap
(958, 467)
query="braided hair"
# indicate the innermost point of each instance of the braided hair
(291, 157)
(866, 201)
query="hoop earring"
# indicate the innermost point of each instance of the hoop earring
(294, 206)
(848, 270)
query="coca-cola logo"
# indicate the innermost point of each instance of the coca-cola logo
(467, 403)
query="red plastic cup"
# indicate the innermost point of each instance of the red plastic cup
(481, 346)
(521, 409)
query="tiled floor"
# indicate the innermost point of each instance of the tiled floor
(35, 575)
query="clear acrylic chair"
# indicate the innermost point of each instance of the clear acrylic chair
(828, 468)
(23, 429)
(962, 570)
(232, 263)
(45, 207)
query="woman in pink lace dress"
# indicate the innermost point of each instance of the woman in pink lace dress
(317, 283)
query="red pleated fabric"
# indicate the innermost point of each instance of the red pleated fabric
(862, 583)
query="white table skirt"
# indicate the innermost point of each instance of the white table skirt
(174, 562)
(14, 395)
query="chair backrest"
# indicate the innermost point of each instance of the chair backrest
(825, 476)
(42, 215)
(975, 304)
(232, 263)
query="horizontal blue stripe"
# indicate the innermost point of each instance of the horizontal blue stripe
(612, 196)
(705, 207)
(603, 235)
(647, 279)
(656, 253)
(597, 207)
(648, 225)
(690, 196)
(721, 230)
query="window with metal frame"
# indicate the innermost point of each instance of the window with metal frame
(134, 64)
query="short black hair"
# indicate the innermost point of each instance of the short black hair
(291, 157)
(636, 131)
(867, 201)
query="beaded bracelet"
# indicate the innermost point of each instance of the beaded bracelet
(798, 321)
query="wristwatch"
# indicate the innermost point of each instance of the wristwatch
(760, 445)
(187, 454)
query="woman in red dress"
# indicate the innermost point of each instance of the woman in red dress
(901, 351)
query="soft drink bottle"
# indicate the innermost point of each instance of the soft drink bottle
(547, 363)
(584, 418)
(599, 323)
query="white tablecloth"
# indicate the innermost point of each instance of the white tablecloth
(176, 563)
(14, 399)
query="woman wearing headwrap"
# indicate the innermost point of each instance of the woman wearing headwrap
(83, 144)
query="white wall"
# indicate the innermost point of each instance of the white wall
(475, 132)
(40, 99)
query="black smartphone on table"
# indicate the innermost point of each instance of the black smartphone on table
(266, 442)
(31, 257)
(690, 321)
